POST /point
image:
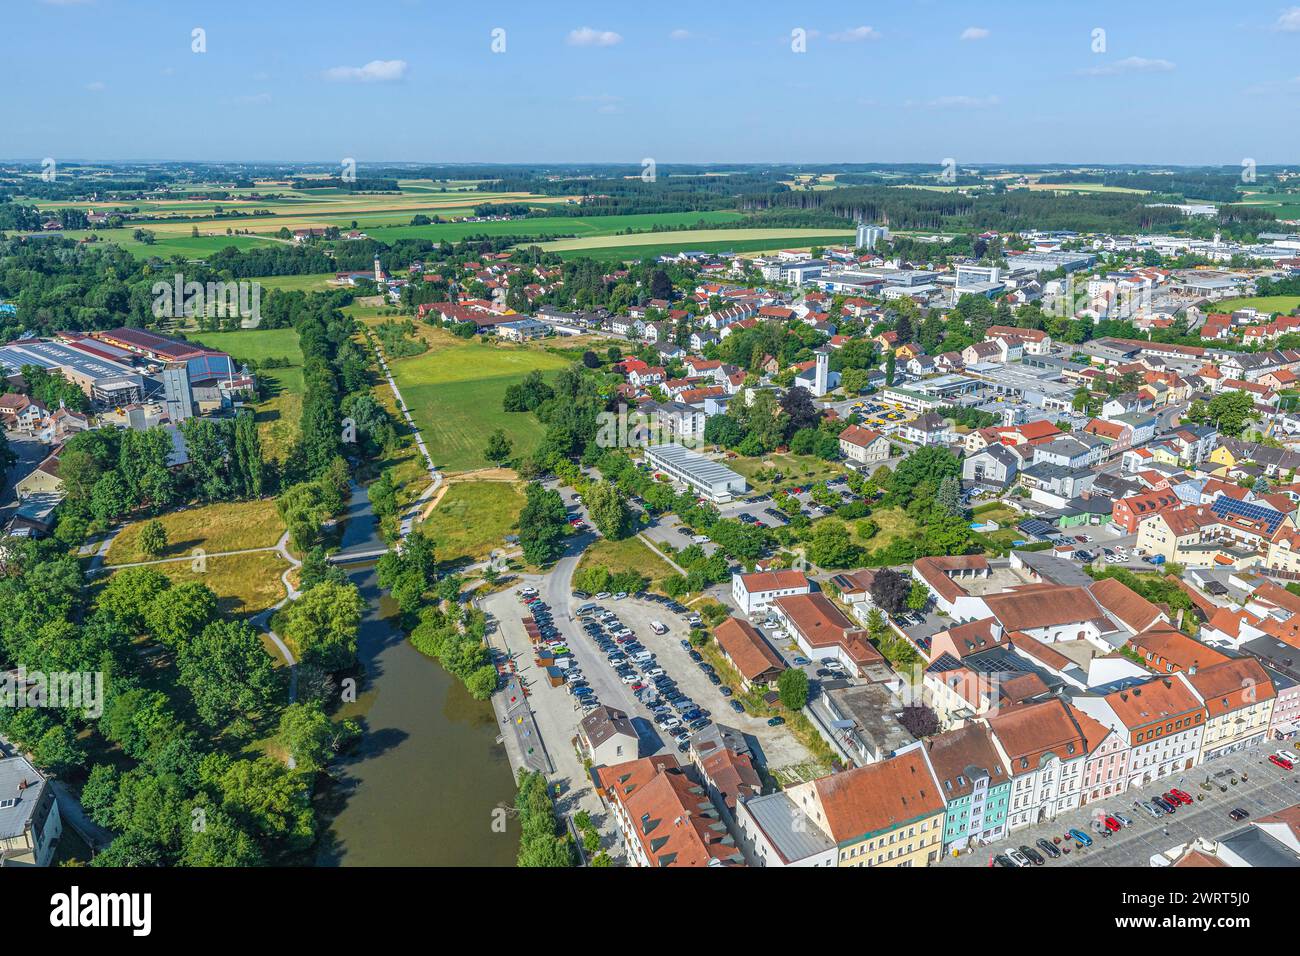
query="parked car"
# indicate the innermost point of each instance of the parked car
(1017, 858)
(1154, 812)
(1123, 820)
(1164, 804)
(737, 706)
(1079, 837)
(1002, 860)
(1182, 796)
(775, 721)
(1032, 856)
(1282, 759)
(801, 662)
(1113, 825)
(725, 691)
(1049, 848)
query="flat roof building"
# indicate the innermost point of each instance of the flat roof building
(714, 481)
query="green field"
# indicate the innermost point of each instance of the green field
(167, 246)
(664, 248)
(455, 391)
(473, 518)
(1267, 303)
(319, 282)
(255, 345)
(580, 226)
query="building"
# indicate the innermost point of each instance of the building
(887, 814)
(1163, 719)
(869, 235)
(523, 330)
(974, 785)
(863, 445)
(1045, 751)
(716, 482)
(608, 737)
(1239, 697)
(30, 825)
(665, 816)
(752, 657)
(106, 381)
(755, 592)
(822, 631)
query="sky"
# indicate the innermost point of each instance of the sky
(721, 82)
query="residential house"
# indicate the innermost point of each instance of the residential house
(756, 591)
(863, 445)
(745, 649)
(974, 785)
(1045, 752)
(608, 737)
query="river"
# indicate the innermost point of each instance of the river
(422, 787)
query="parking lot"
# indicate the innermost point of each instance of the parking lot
(1266, 790)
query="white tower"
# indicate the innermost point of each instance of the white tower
(820, 374)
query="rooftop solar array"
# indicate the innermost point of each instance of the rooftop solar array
(1225, 507)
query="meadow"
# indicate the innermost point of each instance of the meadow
(1267, 303)
(455, 392)
(226, 526)
(473, 518)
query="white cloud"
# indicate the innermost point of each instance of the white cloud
(1131, 64)
(376, 71)
(959, 102)
(586, 36)
(856, 35)
(96, 86)
(974, 33)
(1289, 21)
(682, 35)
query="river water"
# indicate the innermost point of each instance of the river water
(422, 787)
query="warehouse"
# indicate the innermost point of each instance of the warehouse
(105, 381)
(716, 482)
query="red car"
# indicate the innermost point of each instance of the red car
(1112, 824)
(1183, 796)
(1280, 761)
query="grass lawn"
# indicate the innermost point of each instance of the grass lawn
(541, 226)
(630, 554)
(310, 283)
(244, 583)
(796, 469)
(473, 518)
(256, 345)
(894, 523)
(1265, 303)
(220, 527)
(455, 391)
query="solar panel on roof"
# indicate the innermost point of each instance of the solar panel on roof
(1224, 507)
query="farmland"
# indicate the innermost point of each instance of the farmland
(455, 392)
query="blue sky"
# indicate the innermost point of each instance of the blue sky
(416, 80)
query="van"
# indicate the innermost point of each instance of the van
(642, 657)
(658, 627)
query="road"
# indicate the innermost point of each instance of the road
(1267, 790)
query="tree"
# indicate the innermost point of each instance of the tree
(792, 685)
(608, 510)
(890, 365)
(308, 735)
(831, 546)
(918, 597)
(248, 454)
(153, 539)
(128, 594)
(180, 612)
(498, 448)
(890, 590)
(797, 404)
(324, 623)
(228, 672)
(542, 525)
(949, 495)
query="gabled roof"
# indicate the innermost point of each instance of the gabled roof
(879, 797)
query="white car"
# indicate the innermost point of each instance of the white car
(654, 672)
(669, 724)
(1018, 858)
(631, 678)
(602, 595)
(620, 595)
(658, 627)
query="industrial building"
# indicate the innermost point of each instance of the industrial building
(106, 381)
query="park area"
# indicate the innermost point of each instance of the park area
(226, 526)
